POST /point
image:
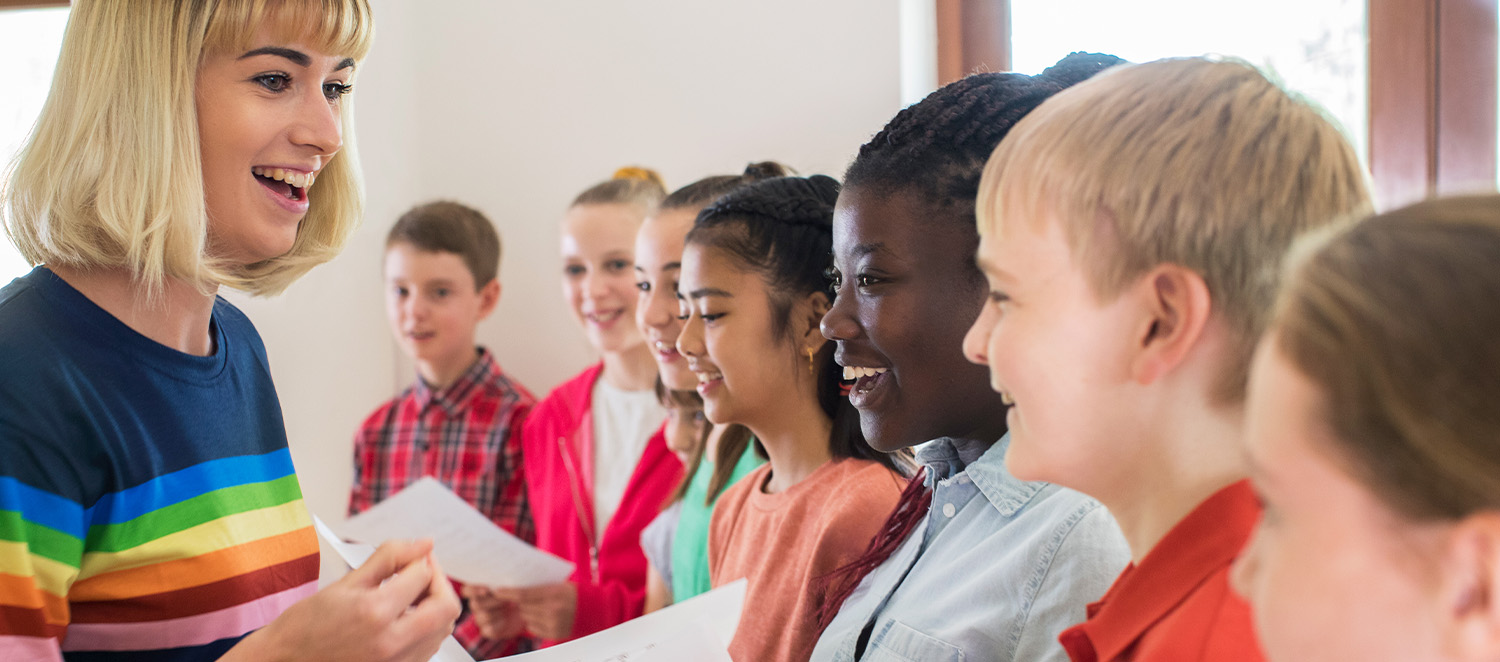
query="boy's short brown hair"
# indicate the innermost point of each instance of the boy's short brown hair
(450, 227)
(1197, 162)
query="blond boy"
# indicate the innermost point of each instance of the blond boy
(1132, 228)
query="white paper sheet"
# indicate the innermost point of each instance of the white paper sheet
(355, 554)
(471, 548)
(696, 629)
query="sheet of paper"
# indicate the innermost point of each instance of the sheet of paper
(695, 629)
(355, 554)
(471, 548)
(695, 645)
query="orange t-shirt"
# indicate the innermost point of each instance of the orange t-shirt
(784, 542)
(1176, 605)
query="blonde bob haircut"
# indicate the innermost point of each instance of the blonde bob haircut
(1202, 163)
(112, 173)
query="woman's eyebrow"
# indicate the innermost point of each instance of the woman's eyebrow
(295, 56)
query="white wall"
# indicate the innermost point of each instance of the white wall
(514, 107)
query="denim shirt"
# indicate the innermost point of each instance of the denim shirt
(1000, 568)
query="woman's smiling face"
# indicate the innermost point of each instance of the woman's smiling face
(268, 121)
(906, 295)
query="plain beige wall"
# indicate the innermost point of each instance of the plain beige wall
(514, 107)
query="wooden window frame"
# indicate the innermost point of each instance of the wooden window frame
(1432, 99)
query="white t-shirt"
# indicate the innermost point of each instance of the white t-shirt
(623, 422)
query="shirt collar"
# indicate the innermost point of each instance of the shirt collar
(455, 397)
(1006, 492)
(1203, 543)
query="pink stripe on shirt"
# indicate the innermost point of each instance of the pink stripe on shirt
(187, 631)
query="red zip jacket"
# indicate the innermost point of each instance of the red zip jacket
(558, 447)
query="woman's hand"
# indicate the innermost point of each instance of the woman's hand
(547, 610)
(397, 607)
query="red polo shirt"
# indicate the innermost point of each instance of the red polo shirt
(1177, 604)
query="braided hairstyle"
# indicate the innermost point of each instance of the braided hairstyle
(937, 148)
(782, 229)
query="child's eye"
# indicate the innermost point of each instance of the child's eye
(276, 82)
(707, 318)
(835, 279)
(998, 298)
(574, 270)
(441, 292)
(866, 280)
(332, 91)
(617, 265)
(401, 292)
(644, 286)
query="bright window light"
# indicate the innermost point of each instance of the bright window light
(1317, 48)
(29, 42)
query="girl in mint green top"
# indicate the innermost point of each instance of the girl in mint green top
(690, 545)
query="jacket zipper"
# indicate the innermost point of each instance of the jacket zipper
(575, 482)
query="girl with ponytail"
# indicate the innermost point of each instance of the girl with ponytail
(676, 543)
(973, 563)
(597, 466)
(754, 289)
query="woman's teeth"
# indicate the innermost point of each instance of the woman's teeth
(665, 348)
(855, 372)
(297, 179)
(705, 377)
(603, 318)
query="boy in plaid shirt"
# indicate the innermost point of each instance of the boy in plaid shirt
(455, 422)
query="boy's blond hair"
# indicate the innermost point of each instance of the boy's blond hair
(1201, 163)
(112, 175)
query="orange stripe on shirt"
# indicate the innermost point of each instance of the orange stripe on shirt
(197, 570)
(17, 591)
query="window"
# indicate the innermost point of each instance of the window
(1318, 48)
(29, 43)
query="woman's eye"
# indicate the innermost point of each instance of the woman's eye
(273, 82)
(644, 286)
(864, 280)
(401, 292)
(574, 270)
(335, 90)
(617, 265)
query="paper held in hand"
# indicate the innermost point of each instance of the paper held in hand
(471, 548)
(697, 630)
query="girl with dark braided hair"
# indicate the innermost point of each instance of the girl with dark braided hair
(973, 563)
(676, 542)
(754, 285)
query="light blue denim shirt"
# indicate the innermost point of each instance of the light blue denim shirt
(1000, 568)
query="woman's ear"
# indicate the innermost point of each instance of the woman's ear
(1469, 588)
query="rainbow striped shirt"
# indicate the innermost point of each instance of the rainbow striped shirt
(149, 509)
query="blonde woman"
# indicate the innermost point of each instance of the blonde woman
(1374, 442)
(148, 505)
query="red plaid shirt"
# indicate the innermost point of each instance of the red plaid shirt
(463, 436)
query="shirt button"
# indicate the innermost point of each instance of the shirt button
(949, 510)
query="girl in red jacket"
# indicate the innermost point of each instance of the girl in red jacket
(597, 467)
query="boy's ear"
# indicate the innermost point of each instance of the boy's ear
(1177, 305)
(1469, 588)
(816, 306)
(489, 295)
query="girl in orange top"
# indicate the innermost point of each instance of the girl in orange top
(1374, 441)
(754, 289)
